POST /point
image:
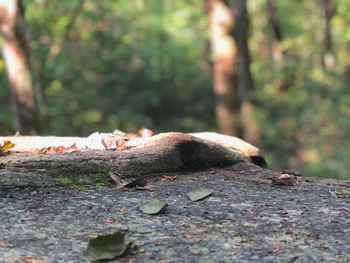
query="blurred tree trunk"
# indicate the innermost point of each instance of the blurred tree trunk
(241, 34)
(328, 58)
(347, 67)
(244, 77)
(278, 54)
(16, 56)
(224, 54)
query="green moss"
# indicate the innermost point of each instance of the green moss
(82, 181)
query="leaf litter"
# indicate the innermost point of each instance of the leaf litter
(199, 193)
(106, 247)
(7, 146)
(152, 207)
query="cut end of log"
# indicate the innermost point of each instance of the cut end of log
(230, 142)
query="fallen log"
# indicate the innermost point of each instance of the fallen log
(170, 152)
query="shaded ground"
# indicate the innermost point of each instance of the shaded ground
(245, 220)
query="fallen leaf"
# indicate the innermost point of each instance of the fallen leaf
(199, 193)
(3, 244)
(277, 250)
(6, 146)
(153, 207)
(285, 179)
(58, 149)
(109, 141)
(121, 144)
(119, 182)
(296, 173)
(119, 133)
(111, 221)
(250, 211)
(145, 133)
(132, 135)
(32, 259)
(168, 178)
(107, 246)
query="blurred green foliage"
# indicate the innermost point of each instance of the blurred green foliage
(126, 64)
(308, 127)
(122, 64)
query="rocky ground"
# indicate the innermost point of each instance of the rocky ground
(50, 218)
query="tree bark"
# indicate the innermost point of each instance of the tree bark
(15, 52)
(250, 128)
(278, 54)
(347, 67)
(224, 56)
(241, 35)
(328, 58)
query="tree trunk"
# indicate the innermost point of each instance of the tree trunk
(278, 54)
(328, 59)
(241, 34)
(15, 52)
(251, 131)
(347, 67)
(224, 55)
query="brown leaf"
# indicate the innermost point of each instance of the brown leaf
(6, 146)
(296, 173)
(119, 182)
(277, 250)
(284, 180)
(132, 135)
(32, 259)
(58, 149)
(121, 144)
(250, 211)
(145, 133)
(3, 244)
(109, 142)
(168, 178)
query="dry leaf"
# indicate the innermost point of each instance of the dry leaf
(250, 211)
(199, 193)
(58, 149)
(285, 179)
(168, 178)
(119, 182)
(32, 259)
(107, 247)
(145, 133)
(277, 250)
(296, 173)
(3, 245)
(153, 207)
(109, 142)
(121, 144)
(6, 146)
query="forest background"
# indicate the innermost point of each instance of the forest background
(127, 64)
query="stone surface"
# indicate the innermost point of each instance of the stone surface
(244, 220)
